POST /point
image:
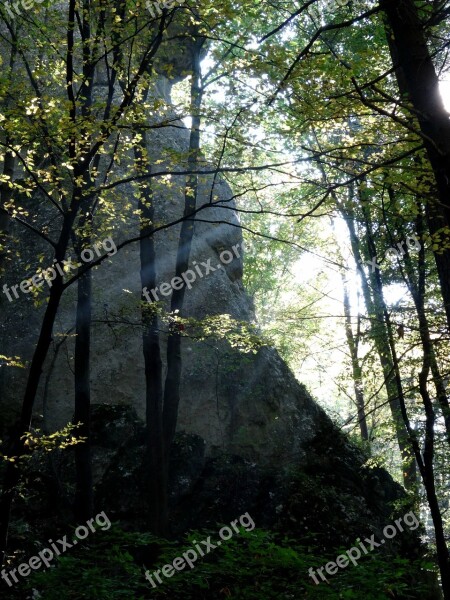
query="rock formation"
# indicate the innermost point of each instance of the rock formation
(251, 405)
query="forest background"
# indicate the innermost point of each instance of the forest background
(329, 121)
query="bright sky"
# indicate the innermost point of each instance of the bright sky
(445, 92)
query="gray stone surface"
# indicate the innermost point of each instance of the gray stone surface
(247, 404)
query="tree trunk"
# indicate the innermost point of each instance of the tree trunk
(172, 383)
(84, 495)
(429, 482)
(409, 437)
(156, 475)
(5, 196)
(17, 448)
(373, 299)
(417, 76)
(417, 289)
(356, 367)
(6, 191)
(83, 154)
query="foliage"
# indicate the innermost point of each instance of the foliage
(37, 441)
(240, 335)
(250, 566)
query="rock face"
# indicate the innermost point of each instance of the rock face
(242, 403)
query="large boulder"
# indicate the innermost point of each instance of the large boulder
(244, 403)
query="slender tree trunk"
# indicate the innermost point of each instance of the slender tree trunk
(172, 383)
(417, 76)
(425, 461)
(429, 482)
(352, 343)
(417, 289)
(84, 495)
(409, 463)
(5, 196)
(162, 408)
(6, 191)
(17, 449)
(379, 333)
(156, 482)
(425, 464)
(81, 154)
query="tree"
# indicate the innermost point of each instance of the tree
(72, 178)
(419, 84)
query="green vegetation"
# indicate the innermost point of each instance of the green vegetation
(250, 566)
